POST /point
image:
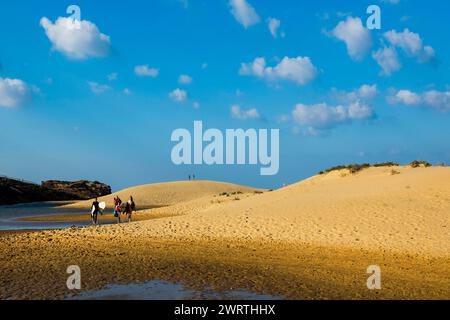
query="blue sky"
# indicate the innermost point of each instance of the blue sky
(101, 102)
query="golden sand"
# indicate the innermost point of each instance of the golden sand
(313, 239)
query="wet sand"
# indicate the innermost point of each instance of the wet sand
(107, 217)
(292, 271)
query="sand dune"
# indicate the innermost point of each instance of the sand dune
(312, 239)
(406, 210)
(162, 194)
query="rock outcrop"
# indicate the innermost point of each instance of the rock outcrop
(14, 191)
(81, 190)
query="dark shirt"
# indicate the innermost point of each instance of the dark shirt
(96, 207)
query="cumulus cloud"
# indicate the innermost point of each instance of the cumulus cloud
(184, 79)
(244, 13)
(356, 37)
(411, 43)
(112, 76)
(365, 92)
(387, 59)
(274, 26)
(299, 70)
(98, 88)
(238, 113)
(145, 71)
(439, 100)
(322, 116)
(178, 95)
(13, 92)
(76, 42)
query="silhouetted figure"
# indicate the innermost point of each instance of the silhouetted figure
(130, 206)
(95, 211)
(189, 176)
(117, 203)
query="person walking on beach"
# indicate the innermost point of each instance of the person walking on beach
(95, 211)
(117, 203)
(130, 206)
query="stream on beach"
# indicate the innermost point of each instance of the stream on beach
(10, 214)
(163, 290)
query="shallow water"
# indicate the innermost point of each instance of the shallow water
(163, 290)
(9, 214)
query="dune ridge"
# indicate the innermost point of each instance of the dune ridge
(407, 210)
(168, 193)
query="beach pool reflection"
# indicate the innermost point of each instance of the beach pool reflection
(163, 290)
(10, 214)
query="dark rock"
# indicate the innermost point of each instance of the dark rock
(14, 191)
(82, 189)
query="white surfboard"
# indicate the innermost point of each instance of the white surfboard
(93, 209)
(102, 205)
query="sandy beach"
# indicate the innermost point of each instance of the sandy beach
(310, 240)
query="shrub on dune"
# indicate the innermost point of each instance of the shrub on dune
(420, 163)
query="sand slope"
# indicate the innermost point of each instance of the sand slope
(162, 194)
(408, 211)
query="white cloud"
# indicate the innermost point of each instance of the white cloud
(299, 70)
(387, 59)
(391, 1)
(145, 71)
(76, 42)
(13, 92)
(356, 37)
(411, 43)
(367, 91)
(439, 100)
(322, 116)
(178, 95)
(244, 13)
(204, 65)
(98, 88)
(405, 97)
(364, 93)
(184, 79)
(274, 26)
(237, 113)
(196, 105)
(112, 76)
(127, 92)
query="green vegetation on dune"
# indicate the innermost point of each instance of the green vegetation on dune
(354, 168)
(420, 163)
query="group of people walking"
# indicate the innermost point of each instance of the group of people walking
(130, 206)
(119, 209)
